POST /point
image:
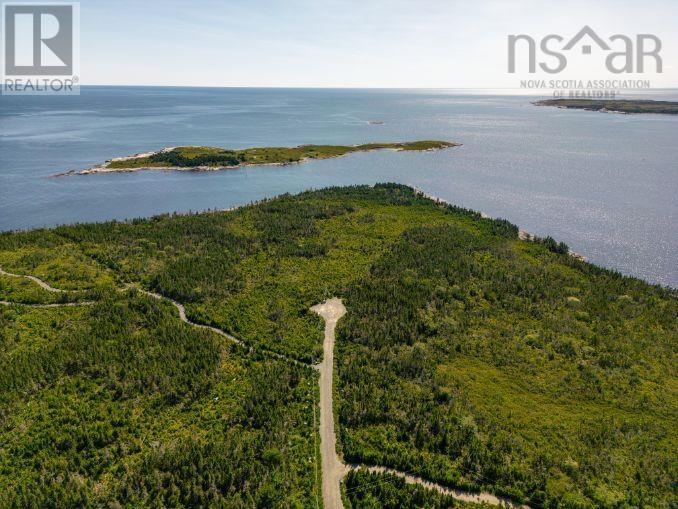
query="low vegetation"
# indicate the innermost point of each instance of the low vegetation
(467, 356)
(614, 105)
(194, 157)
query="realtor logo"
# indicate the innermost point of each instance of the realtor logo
(38, 40)
(40, 48)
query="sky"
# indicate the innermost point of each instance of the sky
(351, 43)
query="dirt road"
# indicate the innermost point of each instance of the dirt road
(36, 280)
(463, 495)
(332, 468)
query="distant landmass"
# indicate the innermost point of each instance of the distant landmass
(215, 158)
(614, 106)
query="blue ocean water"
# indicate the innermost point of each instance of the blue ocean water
(605, 184)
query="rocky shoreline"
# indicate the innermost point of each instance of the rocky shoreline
(616, 106)
(107, 167)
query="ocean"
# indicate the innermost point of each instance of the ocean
(606, 184)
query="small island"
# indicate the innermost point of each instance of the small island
(214, 158)
(614, 106)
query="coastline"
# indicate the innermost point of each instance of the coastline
(105, 168)
(601, 110)
(614, 106)
(197, 169)
(523, 235)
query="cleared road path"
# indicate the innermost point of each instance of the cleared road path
(463, 495)
(332, 468)
(36, 280)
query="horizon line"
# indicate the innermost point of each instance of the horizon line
(310, 87)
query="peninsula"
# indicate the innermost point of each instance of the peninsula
(614, 106)
(196, 158)
(350, 347)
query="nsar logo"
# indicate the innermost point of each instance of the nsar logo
(630, 55)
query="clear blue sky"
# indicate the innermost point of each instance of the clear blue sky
(343, 43)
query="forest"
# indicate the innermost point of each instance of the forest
(484, 363)
(120, 405)
(467, 356)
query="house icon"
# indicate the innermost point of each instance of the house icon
(586, 48)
